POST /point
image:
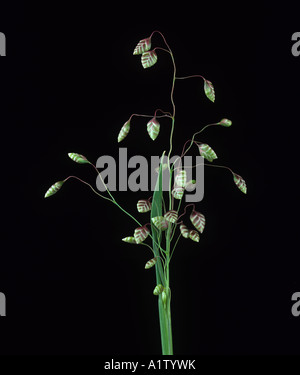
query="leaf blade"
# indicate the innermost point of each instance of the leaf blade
(156, 210)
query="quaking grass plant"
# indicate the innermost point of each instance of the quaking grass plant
(164, 213)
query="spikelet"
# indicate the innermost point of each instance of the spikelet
(209, 90)
(153, 128)
(198, 220)
(240, 183)
(150, 263)
(191, 184)
(184, 231)
(163, 167)
(178, 192)
(225, 122)
(54, 188)
(194, 235)
(140, 234)
(80, 159)
(124, 131)
(129, 240)
(142, 46)
(148, 59)
(207, 152)
(143, 205)
(164, 297)
(180, 179)
(158, 289)
(171, 216)
(160, 222)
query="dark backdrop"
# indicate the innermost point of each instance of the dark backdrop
(68, 84)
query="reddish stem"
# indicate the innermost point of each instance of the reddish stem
(191, 204)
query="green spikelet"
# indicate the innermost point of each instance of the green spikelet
(54, 188)
(124, 131)
(171, 216)
(164, 297)
(209, 90)
(198, 220)
(158, 289)
(148, 59)
(129, 240)
(160, 222)
(180, 179)
(140, 234)
(240, 183)
(80, 159)
(178, 192)
(143, 205)
(207, 152)
(142, 46)
(153, 128)
(184, 231)
(225, 122)
(150, 263)
(164, 167)
(194, 235)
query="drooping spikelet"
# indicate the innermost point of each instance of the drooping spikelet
(153, 128)
(198, 220)
(180, 179)
(141, 233)
(160, 222)
(184, 231)
(150, 263)
(178, 192)
(143, 205)
(124, 131)
(143, 46)
(54, 188)
(171, 216)
(158, 289)
(194, 235)
(80, 159)
(129, 240)
(240, 183)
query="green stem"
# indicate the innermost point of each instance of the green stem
(192, 140)
(165, 309)
(165, 325)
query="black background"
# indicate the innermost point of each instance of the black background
(68, 84)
